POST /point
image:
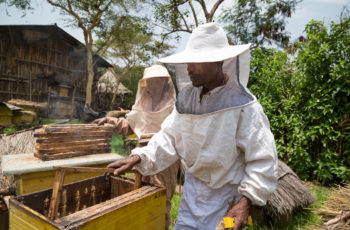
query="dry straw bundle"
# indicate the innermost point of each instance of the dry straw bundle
(336, 210)
(291, 195)
(15, 143)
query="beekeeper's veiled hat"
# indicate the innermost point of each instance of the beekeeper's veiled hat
(155, 71)
(154, 101)
(207, 43)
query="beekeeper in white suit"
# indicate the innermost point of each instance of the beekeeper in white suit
(155, 100)
(220, 131)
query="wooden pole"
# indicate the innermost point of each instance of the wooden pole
(48, 103)
(73, 95)
(30, 86)
(56, 193)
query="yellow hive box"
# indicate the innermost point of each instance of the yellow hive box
(5, 120)
(98, 203)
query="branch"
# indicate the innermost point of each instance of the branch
(202, 3)
(71, 12)
(173, 31)
(215, 7)
(183, 19)
(97, 17)
(108, 39)
(193, 12)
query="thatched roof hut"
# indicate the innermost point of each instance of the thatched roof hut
(108, 82)
(106, 86)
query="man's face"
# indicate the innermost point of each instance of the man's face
(202, 74)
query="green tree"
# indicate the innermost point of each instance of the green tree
(131, 45)
(255, 21)
(259, 22)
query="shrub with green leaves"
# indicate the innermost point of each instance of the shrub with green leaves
(308, 101)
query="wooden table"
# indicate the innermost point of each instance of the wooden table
(32, 174)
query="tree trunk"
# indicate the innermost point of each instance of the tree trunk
(90, 79)
(115, 92)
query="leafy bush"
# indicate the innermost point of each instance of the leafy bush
(308, 101)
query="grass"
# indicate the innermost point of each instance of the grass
(117, 145)
(175, 204)
(304, 219)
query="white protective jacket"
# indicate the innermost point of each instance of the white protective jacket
(224, 139)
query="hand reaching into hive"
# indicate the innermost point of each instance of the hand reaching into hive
(108, 120)
(121, 124)
(124, 165)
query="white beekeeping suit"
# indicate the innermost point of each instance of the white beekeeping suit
(223, 136)
(155, 99)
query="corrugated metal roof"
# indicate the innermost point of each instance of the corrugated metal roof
(11, 107)
(59, 31)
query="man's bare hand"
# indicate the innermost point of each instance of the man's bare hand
(240, 212)
(124, 165)
(100, 121)
(108, 120)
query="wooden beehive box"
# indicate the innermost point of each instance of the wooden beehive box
(57, 141)
(97, 203)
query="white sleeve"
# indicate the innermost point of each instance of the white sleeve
(255, 140)
(160, 152)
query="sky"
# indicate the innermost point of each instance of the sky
(325, 10)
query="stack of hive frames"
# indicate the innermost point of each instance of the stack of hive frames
(60, 141)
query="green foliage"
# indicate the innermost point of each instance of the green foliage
(307, 101)
(20, 4)
(130, 79)
(324, 98)
(10, 130)
(129, 41)
(264, 21)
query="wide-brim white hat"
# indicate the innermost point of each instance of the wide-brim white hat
(155, 71)
(207, 43)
